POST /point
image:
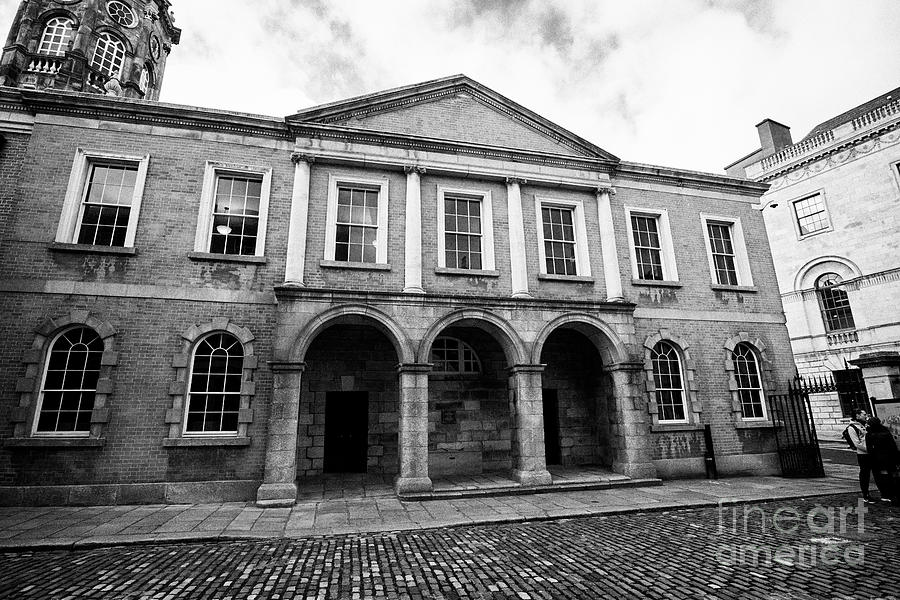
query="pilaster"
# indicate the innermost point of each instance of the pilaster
(611, 273)
(412, 240)
(518, 264)
(297, 228)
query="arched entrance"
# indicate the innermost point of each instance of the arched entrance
(349, 408)
(471, 420)
(575, 398)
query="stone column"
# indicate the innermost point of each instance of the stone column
(413, 438)
(518, 264)
(413, 234)
(527, 408)
(629, 426)
(608, 248)
(296, 248)
(279, 487)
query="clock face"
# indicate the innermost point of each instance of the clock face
(154, 47)
(121, 13)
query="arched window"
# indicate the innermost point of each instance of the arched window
(749, 387)
(57, 35)
(70, 383)
(451, 355)
(834, 303)
(215, 389)
(669, 383)
(109, 55)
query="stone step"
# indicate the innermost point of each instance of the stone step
(517, 490)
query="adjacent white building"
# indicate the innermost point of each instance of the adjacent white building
(832, 216)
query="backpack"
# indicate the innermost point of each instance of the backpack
(847, 437)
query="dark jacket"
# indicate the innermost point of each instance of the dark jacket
(882, 448)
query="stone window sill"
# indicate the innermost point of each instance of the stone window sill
(667, 427)
(195, 442)
(234, 258)
(467, 272)
(340, 264)
(756, 425)
(54, 442)
(748, 289)
(656, 283)
(566, 278)
(91, 249)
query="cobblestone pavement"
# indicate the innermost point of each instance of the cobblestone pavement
(686, 553)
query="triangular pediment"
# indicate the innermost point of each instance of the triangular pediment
(457, 109)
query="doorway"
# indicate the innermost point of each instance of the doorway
(551, 427)
(346, 432)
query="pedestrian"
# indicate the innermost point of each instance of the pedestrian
(855, 434)
(883, 458)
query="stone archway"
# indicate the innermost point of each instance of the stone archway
(610, 393)
(279, 484)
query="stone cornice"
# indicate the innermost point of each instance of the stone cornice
(689, 179)
(402, 140)
(93, 106)
(332, 295)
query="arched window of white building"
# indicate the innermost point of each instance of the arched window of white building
(834, 303)
(57, 36)
(452, 355)
(109, 55)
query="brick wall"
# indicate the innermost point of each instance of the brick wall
(148, 334)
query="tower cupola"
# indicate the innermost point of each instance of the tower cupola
(112, 47)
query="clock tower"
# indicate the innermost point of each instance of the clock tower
(111, 47)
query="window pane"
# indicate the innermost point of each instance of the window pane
(71, 374)
(216, 379)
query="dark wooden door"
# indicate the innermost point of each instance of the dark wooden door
(346, 432)
(551, 427)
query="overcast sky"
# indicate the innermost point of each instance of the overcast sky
(679, 83)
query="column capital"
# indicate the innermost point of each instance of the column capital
(297, 157)
(516, 181)
(606, 189)
(626, 365)
(516, 369)
(286, 366)
(414, 367)
(418, 169)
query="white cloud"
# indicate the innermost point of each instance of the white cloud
(674, 83)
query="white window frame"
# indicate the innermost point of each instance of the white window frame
(487, 225)
(63, 43)
(741, 260)
(211, 173)
(189, 390)
(793, 203)
(685, 404)
(381, 237)
(109, 40)
(754, 353)
(70, 219)
(667, 247)
(41, 390)
(582, 256)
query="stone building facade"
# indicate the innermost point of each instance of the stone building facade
(423, 282)
(832, 221)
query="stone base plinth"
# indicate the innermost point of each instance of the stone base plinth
(532, 477)
(274, 495)
(413, 485)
